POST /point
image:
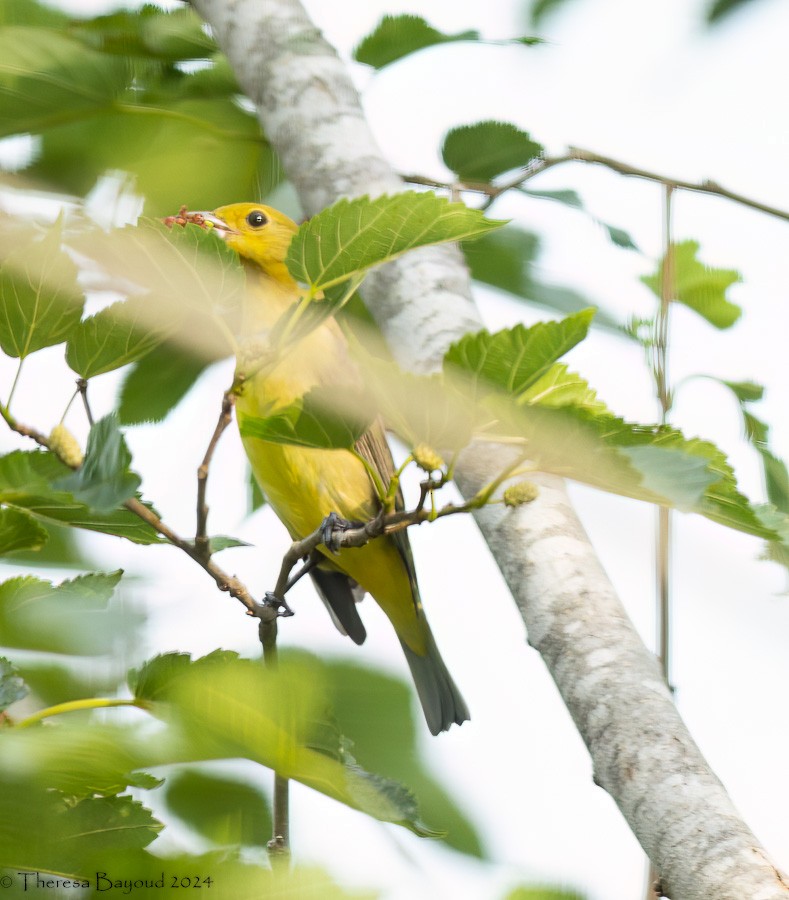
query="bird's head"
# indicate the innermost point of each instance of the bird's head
(257, 233)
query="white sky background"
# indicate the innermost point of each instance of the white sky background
(650, 86)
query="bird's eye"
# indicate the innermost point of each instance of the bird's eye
(256, 219)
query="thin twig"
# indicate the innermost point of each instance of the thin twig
(202, 544)
(227, 583)
(279, 846)
(82, 387)
(576, 154)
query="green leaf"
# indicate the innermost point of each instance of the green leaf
(118, 335)
(699, 287)
(71, 617)
(12, 687)
(219, 542)
(484, 150)
(349, 237)
(48, 79)
(103, 824)
(19, 531)
(397, 36)
(154, 680)
(505, 260)
(104, 479)
(226, 811)
(40, 300)
(312, 421)
(157, 383)
(513, 359)
(745, 391)
(27, 481)
(560, 387)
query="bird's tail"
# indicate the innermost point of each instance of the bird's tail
(441, 700)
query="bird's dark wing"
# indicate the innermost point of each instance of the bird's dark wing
(340, 593)
(373, 447)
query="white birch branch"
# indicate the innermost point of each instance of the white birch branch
(641, 750)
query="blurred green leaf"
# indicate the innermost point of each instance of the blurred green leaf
(114, 337)
(27, 481)
(224, 810)
(12, 686)
(308, 422)
(171, 35)
(31, 12)
(377, 712)
(146, 139)
(397, 36)
(227, 707)
(157, 383)
(350, 236)
(71, 617)
(60, 549)
(102, 824)
(220, 542)
(156, 677)
(745, 391)
(104, 479)
(561, 387)
(504, 259)
(255, 494)
(534, 892)
(720, 9)
(60, 679)
(775, 471)
(514, 358)
(48, 79)
(184, 270)
(484, 150)
(618, 236)
(542, 8)
(19, 531)
(41, 300)
(697, 286)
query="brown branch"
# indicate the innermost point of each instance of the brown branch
(227, 583)
(202, 544)
(576, 154)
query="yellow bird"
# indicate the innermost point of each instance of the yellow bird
(304, 485)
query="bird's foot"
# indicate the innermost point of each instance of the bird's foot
(278, 604)
(332, 527)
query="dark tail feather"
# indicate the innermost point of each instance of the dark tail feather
(337, 591)
(438, 694)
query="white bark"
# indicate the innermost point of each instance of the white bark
(642, 752)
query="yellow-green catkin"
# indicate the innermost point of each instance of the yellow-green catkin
(427, 458)
(520, 493)
(64, 445)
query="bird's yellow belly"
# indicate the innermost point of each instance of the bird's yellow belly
(304, 484)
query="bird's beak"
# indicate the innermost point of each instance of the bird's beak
(209, 220)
